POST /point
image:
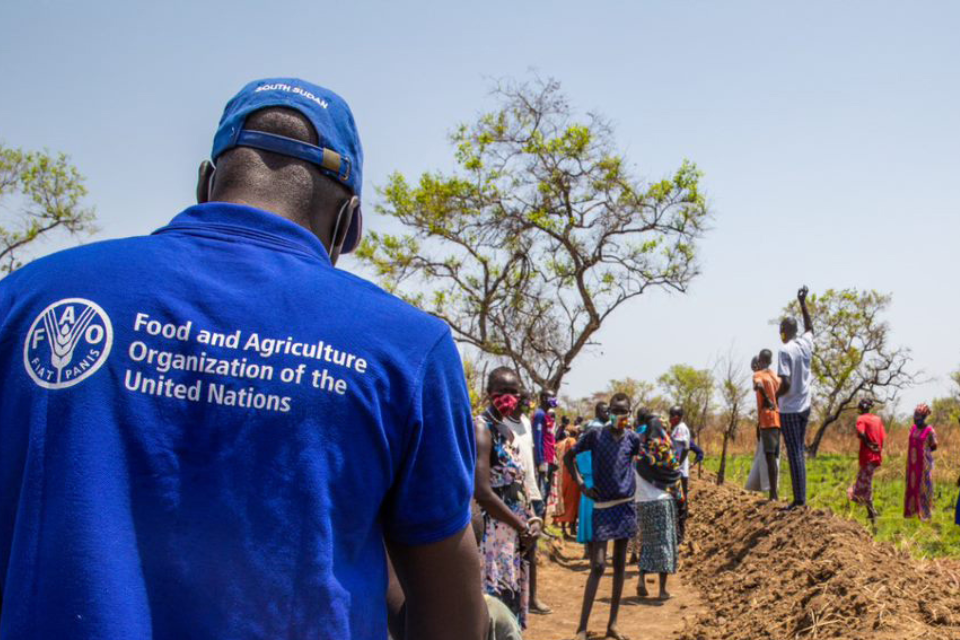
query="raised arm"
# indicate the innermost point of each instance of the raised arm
(802, 299)
(441, 582)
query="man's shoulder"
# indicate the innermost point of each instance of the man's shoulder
(101, 260)
(92, 263)
(117, 268)
(402, 314)
(590, 435)
(793, 346)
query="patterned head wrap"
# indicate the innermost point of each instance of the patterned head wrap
(922, 409)
(866, 404)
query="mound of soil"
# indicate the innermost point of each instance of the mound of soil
(768, 574)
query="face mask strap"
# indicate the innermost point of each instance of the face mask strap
(337, 247)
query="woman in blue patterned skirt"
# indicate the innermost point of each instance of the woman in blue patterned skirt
(658, 494)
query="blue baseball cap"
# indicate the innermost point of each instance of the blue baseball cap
(338, 154)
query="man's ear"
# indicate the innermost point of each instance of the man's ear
(205, 181)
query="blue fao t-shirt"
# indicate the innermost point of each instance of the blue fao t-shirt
(209, 431)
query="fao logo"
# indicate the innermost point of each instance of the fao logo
(67, 342)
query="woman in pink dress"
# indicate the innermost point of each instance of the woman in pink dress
(923, 442)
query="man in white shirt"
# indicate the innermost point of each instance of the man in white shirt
(681, 443)
(793, 367)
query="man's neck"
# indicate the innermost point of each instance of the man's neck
(276, 207)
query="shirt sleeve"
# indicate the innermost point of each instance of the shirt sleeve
(861, 425)
(539, 426)
(635, 443)
(784, 363)
(808, 340)
(585, 443)
(770, 386)
(430, 498)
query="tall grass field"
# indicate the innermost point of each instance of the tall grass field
(830, 475)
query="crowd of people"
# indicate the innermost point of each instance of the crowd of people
(624, 476)
(621, 476)
(346, 496)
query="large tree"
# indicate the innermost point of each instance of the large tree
(853, 356)
(946, 410)
(692, 390)
(640, 392)
(42, 194)
(734, 385)
(540, 233)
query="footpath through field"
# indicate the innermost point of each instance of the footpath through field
(561, 581)
(752, 572)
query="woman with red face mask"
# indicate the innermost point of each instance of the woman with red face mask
(509, 525)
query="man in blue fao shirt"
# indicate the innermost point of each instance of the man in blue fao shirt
(210, 432)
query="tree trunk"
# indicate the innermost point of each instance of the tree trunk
(723, 459)
(814, 447)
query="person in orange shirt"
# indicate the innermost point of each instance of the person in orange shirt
(568, 493)
(766, 383)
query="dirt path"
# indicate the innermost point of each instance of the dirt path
(754, 572)
(561, 586)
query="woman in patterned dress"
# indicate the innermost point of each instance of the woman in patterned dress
(658, 493)
(509, 527)
(923, 442)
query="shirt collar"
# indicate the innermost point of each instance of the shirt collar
(257, 225)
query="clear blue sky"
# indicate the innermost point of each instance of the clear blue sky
(828, 131)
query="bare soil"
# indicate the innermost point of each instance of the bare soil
(752, 572)
(562, 578)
